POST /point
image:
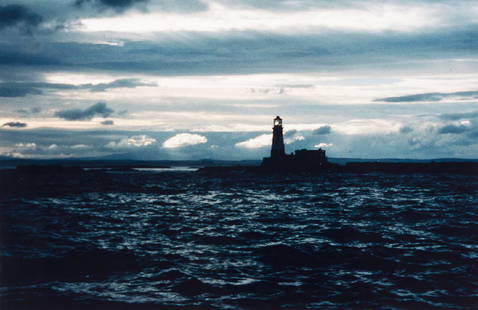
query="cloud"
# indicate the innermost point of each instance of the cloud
(184, 139)
(321, 145)
(323, 130)
(453, 129)
(28, 112)
(13, 55)
(121, 83)
(295, 85)
(99, 109)
(304, 5)
(290, 133)
(183, 6)
(462, 95)
(107, 122)
(432, 62)
(265, 140)
(406, 129)
(457, 116)
(242, 52)
(78, 143)
(27, 145)
(22, 89)
(79, 146)
(12, 15)
(6, 91)
(234, 16)
(15, 124)
(268, 90)
(132, 142)
(118, 5)
(292, 136)
(257, 142)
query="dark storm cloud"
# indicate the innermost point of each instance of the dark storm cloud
(6, 91)
(431, 97)
(107, 122)
(323, 130)
(12, 15)
(118, 5)
(48, 17)
(98, 109)
(457, 116)
(19, 89)
(22, 89)
(246, 52)
(15, 125)
(453, 129)
(121, 83)
(14, 55)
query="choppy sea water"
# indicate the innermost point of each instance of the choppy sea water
(185, 240)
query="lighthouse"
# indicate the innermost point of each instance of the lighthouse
(277, 150)
(301, 160)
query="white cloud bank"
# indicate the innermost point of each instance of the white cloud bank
(257, 142)
(219, 18)
(29, 145)
(184, 139)
(292, 136)
(266, 140)
(321, 145)
(132, 142)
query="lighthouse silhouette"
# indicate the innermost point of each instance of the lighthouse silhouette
(277, 150)
(301, 160)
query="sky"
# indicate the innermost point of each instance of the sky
(197, 79)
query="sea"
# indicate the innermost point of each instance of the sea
(184, 239)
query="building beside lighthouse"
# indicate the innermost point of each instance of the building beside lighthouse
(300, 160)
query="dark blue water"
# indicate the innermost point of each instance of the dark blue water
(183, 240)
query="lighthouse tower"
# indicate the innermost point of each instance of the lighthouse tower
(277, 150)
(301, 160)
